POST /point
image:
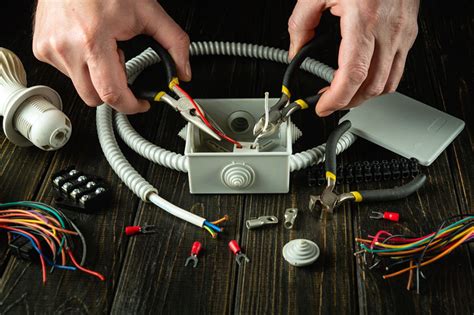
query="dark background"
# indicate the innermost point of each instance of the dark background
(146, 274)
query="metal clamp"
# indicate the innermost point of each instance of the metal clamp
(290, 216)
(261, 221)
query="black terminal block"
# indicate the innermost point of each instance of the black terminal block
(77, 190)
(22, 248)
(366, 171)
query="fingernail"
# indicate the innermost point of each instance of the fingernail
(188, 71)
(323, 113)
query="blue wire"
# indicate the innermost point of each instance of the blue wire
(41, 254)
(212, 226)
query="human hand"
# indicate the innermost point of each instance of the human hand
(376, 38)
(79, 38)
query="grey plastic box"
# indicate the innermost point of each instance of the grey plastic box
(219, 167)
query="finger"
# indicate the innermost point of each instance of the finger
(396, 72)
(302, 23)
(81, 79)
(165, 31)
(355, 54)
(379, 72)
(110, 82)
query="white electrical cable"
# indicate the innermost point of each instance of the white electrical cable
(176, 161)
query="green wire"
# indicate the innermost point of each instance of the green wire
(36, 205)
(363, 246)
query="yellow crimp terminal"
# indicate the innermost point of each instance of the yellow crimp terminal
(302, 103)
(330, 175)
(158, 96)
(285, 91)
(357, 196)
(173, 82)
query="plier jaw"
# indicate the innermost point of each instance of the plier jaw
(328, 199)
(188, 111)
(275, 119)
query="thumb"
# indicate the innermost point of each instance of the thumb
(302, 23)
(168, 33)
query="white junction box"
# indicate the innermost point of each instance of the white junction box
(220, 167)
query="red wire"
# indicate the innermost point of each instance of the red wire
(98, 275)
(376, 238)
(43, 265)
(201, 114)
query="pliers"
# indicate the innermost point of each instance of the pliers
(283, 109)
(329, 200)
(184, 104)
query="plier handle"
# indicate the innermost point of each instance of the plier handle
(284, 108)
(184, 103)
(329, 200)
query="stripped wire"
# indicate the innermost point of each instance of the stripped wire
(52, 235)
(396, 251)
(213, 227)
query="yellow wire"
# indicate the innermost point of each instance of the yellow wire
(470, 231)
(37, 222)
(421, 243)
(213, 234)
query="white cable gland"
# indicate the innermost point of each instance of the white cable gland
(238, 176)
(301, 252)
(31, 116)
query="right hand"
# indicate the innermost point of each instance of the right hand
(79, 38)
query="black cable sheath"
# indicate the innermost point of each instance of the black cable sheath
(393, 193)
(331, 146)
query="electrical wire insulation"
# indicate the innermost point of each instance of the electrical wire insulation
(396, 250)
(136, 142)
(204, 119)
(51, 234)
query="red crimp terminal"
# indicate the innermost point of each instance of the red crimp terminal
(391, 216)
(197, 246)
(234, 247)
(132, 230)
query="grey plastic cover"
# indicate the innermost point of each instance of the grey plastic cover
(405, 126)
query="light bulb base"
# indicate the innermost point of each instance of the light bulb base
(13, 104)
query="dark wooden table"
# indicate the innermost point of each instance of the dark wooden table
(147, 274)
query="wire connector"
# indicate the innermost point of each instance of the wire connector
(140, 229)
(195, 249)
(237, 251)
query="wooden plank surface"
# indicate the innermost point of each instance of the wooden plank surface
(147, 274)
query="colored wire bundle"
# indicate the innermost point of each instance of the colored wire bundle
(417, 252)
(213, 227)
(51, 234)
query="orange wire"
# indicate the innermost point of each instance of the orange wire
(457, 244)
(51, 244)
(42, 223)
(43, 264)
(50, 218)
(225, 218)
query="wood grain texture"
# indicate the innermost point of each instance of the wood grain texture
(146, 274)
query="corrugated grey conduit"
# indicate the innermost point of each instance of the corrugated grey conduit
(177, 161)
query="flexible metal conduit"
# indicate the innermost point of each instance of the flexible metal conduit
(176, 161)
